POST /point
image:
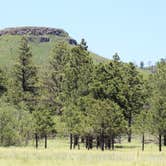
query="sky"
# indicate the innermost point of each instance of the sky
(135, 29)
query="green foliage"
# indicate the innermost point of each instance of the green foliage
(70, 94)
(142, 122)
(43, 122)
(9, 50)
(135, 90)
(3, 82)
(16, 126)
(53, 81)
(104, 115)
(78, 73)
(73, 118)
(158, 83)
(122, 84)
(83, 44)
(25, 77)
(78, 76)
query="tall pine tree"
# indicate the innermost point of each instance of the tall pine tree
(25, 84)
(158, 82)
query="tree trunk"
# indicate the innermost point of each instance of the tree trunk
(160, 142)
(102, 142)
(143, 141)
(71, 141)
(164, 139)
(75, 140)
(78, 143)
(1, 140)
(26, 141)
(82, 140)
(74, 144)
(112, 142)
(97, 142)
(90, 142)
(36, 140)
(129, 126)
(87, 141)
(109, 143)
(45, 140)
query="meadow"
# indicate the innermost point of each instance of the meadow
(58, 153)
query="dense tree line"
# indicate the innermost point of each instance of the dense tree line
(94, 104)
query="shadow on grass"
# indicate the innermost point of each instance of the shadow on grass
(126, 146)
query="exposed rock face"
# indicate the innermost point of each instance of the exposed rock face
(33, 31)
(44, 39)
(38, 33)
(72, 42)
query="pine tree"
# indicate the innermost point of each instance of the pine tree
(54, 79)
(134, 93)
(142, 124)
(107, 121)
(83, 44)
(3, 82)
(158, 82)
(142, 65)
(25, 78)
(44, 124)
(78, 77)
(122, 84)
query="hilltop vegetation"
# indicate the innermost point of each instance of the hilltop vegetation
(41, 41)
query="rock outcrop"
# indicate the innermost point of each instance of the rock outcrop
(44, 39)
(72, 41)
(39, 33)
(33, 31)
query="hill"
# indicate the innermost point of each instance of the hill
(41, 39)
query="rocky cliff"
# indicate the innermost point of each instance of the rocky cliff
(41, 32)
(33, 31)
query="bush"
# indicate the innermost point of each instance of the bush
(15, 126)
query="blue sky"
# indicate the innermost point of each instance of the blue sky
(136, 29)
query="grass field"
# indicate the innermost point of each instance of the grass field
(58, 154)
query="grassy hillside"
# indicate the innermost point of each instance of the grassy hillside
(9, 45)
(145, 73)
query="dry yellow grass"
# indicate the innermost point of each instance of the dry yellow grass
(58, 154)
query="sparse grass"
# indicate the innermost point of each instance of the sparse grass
(145, 73)
(9, 45)
(58, 153)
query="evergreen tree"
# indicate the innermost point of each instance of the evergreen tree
(25, 78)
(142, 124)
(122, 84)
(83, 44)
(142, 65)
(116, 57)
(16, 126)
(44, 124)
(78, 77)
(108, 85)
(3, 82)
(158, 82)
(54, 79)
(108, 122)
(134, 93)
